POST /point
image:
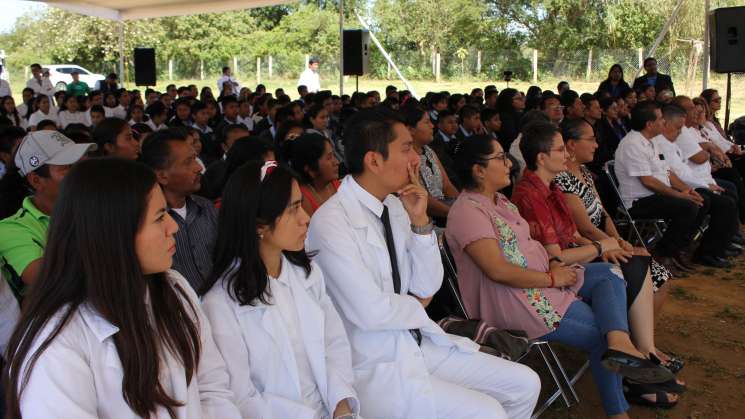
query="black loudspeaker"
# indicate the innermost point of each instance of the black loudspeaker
(356, 52)
(727, 37)
(145, 66)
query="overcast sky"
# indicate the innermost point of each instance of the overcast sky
(13, 9)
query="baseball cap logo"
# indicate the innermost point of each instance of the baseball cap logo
(33, 161)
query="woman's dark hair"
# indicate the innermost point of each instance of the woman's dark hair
(63, 106)
(606, 103)
(12, 116)
(368, 130)
(107, 131)
(614, 66)
(533, 98)
(708, 95)
(312, 112)
(504, 100)
(91, 261)
(571, 129)
(473, 151)
(304, 152)
(453, 102)
(538, 137)
(285, 129)
(248, 203)
(139, 129)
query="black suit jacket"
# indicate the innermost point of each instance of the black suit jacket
(663, 82)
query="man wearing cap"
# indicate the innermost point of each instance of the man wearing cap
(43, 158)
(310, 78)
(77, 87)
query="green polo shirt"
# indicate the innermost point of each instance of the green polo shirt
(78, 88)
(23, 237)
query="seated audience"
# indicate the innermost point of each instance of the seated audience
(511, 105)
(379, 255)
(265, 270)
(174, 161)
(614, 85)
(491, 122)
(507, 279)
(69, 113)
(44, 112)
(109, 330)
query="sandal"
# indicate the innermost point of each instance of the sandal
(638, 369)
(672, 386)
(634, 394)
(673, 364)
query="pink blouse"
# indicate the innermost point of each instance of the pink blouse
(537, 311)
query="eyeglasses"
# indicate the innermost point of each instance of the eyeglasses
(561, 149)
(501, 156)
(555, 107)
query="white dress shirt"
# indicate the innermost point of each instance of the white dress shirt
(66, 118)
(289, 358)
(637, 156)
(689, 144)
(711, 133)
(236, 86)
(679, 165)
(42, 86)
(391, 376)
(79, 375)
(311, 80)
(154, 127)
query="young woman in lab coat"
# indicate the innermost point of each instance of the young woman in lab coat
(108, 331)
(273, 322)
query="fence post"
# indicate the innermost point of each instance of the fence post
(170, 69)
(535, 66)
(271, 71)
(258, 70)
(235, 66)
(434, 63)
(589, 65)
(437, 67)
(478, 62)
(201, 69)
(641, 57)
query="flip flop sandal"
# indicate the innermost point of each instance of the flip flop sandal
(673, 364)
(671, 386)
(634, 393)
(638, 369)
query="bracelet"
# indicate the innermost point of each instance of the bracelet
(598, 247)
(555, 259)
(551, 277)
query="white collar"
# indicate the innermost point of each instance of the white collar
(365, 198)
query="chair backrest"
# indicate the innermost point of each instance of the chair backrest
(610, 171)
(451, 273)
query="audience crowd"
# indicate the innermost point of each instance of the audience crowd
(239, 254)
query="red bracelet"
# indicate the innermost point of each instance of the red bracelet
(551, 277)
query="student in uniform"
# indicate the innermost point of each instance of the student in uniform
(109, 331)
(273, 322)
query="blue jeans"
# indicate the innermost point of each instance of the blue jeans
(586, 324)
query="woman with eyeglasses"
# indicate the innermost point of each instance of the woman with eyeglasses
(433, 174)
(507, 279)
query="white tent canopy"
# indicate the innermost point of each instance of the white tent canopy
(122, 10)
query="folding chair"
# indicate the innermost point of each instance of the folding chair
(653, 228)
(542, 346)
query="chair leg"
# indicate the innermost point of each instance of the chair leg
(559, 387)
(563, 372)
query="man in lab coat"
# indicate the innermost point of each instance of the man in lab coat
(310, 78)
(405, 365)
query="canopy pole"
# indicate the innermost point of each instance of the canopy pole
(341, 48)
(121, 52)
(388, 57)
(662, 34)
(707, 45)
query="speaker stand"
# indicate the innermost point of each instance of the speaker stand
(727, 101)
(357, 84)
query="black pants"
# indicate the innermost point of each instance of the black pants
(680, 215)
(723, 222)
(731, 174)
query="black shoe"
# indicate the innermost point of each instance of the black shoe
(730, 253)
(682, 263)
(735, 247)
(738, 240)
(713, 261)
(638, 369)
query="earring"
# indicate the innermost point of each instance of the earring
(572, 157)
(261, 236)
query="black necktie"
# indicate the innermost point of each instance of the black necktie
(394, 263)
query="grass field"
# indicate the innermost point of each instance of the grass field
(423, 86)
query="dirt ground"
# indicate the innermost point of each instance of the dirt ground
(703, 322)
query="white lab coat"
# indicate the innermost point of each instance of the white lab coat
(311, 80)
(41, 87)
(391, 377)
(262, 366)
(80, 374)
(10, 312)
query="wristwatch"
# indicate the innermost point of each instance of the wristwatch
(598, 247)
(423, 230)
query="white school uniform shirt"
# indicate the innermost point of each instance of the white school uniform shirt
(391, 376)
(5, 88)
(154, 127)
(39, 116)
(688, 143)
(636, 156)
(223, 79)
(290, 358)
(80, 374)
(66, 118)
(311, 80)
(248, 122)
(117, 111)
(679, 165)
